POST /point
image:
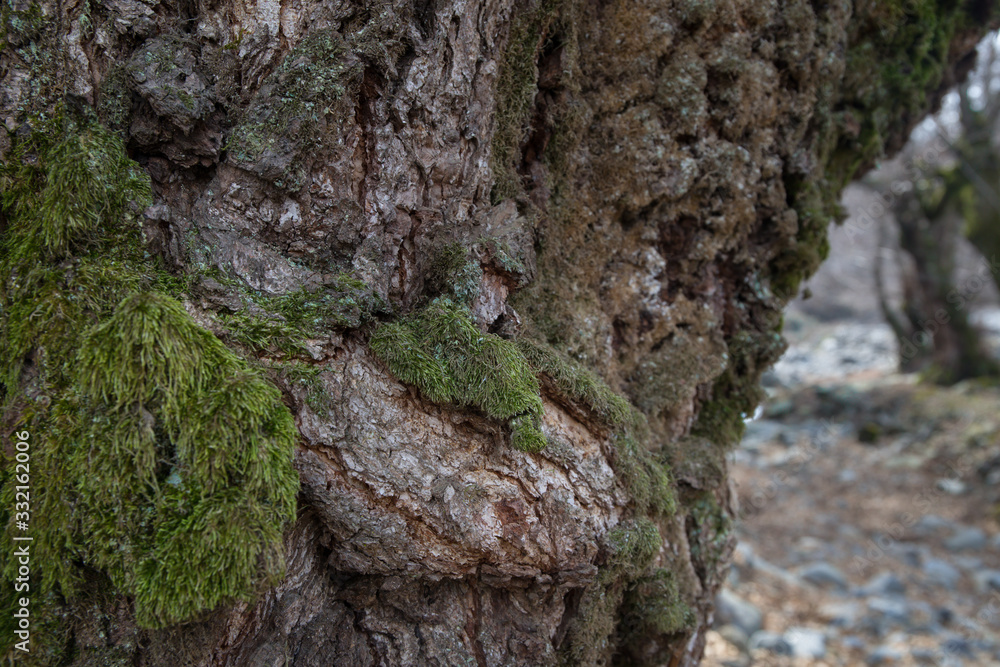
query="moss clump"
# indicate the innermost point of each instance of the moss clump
(114, 102)
(709, 529)
(177, 460)
(647, 480)
(737, 392)
(158, 456)
(81, 178)
(20, 26)
(525, 434)
(515, 94)
(577, 383)
(633, 547)
(440, 350)
(653, 604)
(317, 81)
(282, 323)
(307, 377)
(70, 248)
(630, 549)
(455, 273)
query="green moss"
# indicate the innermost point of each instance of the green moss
(282, 323)
(440, 350)
(633, 547)
(897, 55)
(19, 27)
(305, 88)
(709, 529)
(261, 332)
(85, 177)
(525, 434)
(654, 604)
(515, 94)
(316, 82)
(59, 187)
(307, 377)
(577, 383)
(158, 456)
(501, 254)
(737, 392)
(114, 100)
(167, 464)
(399, 346)
(647, 480)
(630, 548)
(50, 639)
(455, 273)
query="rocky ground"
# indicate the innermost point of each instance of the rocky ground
(869, 529)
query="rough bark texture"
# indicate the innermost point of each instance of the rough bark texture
(632, 188)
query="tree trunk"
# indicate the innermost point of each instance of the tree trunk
(516, 268)
(929, 217)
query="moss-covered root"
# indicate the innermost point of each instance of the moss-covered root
(441, 351)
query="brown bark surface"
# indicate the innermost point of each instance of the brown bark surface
(663, 173)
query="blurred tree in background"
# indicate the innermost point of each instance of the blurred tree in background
(942, 200)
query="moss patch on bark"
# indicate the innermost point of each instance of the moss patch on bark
(441, 351)
(159, 457)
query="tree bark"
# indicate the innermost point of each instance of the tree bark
(621, 195)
